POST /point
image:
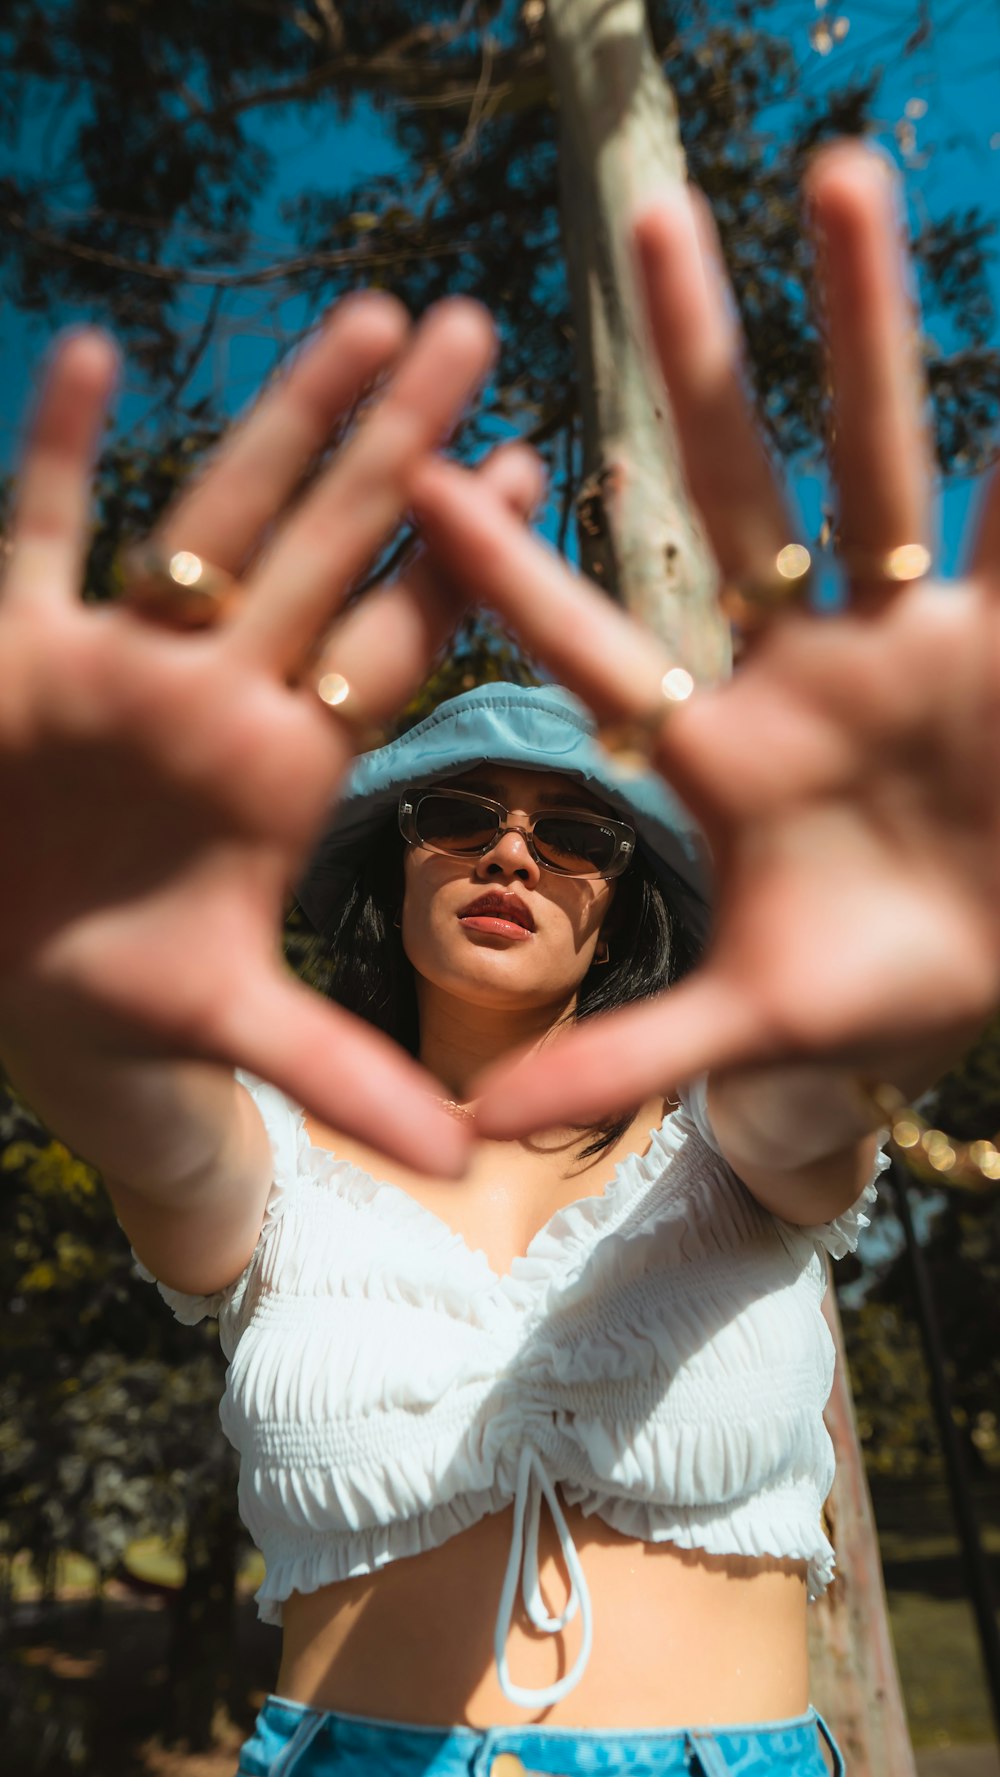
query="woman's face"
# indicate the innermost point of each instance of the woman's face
(470, 950)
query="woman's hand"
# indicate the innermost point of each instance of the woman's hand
(162, 790)
(848, 777)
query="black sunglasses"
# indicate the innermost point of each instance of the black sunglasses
(460, 824)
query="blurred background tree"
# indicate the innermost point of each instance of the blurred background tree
(109, 1413)
(146, 145)
(152, 159)
(962, 1237)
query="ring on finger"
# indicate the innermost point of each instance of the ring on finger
(751, 601)
(632, 743)
(341, 699)
(907, 561)
(175, 587)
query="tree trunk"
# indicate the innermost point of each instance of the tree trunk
(618, 144)
(854, 1679)
(201, 1645)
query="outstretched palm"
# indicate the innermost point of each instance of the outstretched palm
(848, 778)
(161, 789)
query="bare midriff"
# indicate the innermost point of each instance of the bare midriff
(681, 1638)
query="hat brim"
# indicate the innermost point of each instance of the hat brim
(530, 727)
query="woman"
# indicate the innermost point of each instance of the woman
(418, 1365)
(853, 813)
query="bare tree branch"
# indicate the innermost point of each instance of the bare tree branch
(332, 22)
(337, 258)
(436, 83)
(551, 422)
(185, 371)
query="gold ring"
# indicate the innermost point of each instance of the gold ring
(908, 561)
(175, 587)
(341, 699)
(750, 602)
(632, 742)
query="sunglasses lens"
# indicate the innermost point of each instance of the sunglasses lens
(579, 848)
(451, 824)
(464, 827)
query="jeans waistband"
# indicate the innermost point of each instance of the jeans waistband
(293, 1740)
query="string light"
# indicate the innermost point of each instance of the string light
(930, 1153)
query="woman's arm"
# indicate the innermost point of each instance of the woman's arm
(803, 1137)
(800, 1138)
(167, 787)
(180, 1146)
(847, 778)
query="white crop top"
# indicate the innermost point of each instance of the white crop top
(659, 1352)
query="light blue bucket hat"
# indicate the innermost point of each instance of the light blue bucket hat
(533, 727)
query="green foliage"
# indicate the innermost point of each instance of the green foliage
(108, 1409)
(963, 1259)
(967, 1101)
(480, 652)
(109, 1423)
(44, 1736)
(162, 204)
(896, 1427)
(134, 485)
(962, 1253)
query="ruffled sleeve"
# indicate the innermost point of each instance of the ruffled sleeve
(838, 1237)
(282, 1122)
(841, 1236)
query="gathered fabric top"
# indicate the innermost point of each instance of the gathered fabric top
(659, 1354)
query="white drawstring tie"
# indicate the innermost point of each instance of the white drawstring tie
(527, 1495)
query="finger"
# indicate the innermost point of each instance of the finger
(984, 558)
(51, 519)
(621, 1059)
(342, 1072)
(264, 457)
(383, 647)
(881, 449)
(619, 668)
(359, 500)
(614, 664)
(692, 319)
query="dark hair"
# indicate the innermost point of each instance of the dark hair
(371, 974)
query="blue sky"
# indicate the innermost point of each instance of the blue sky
(939, 118)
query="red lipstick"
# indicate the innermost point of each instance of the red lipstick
(504, 915)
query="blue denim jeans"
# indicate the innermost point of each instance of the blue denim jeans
(291, 1740)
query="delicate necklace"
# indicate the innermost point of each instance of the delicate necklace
(462, 1112)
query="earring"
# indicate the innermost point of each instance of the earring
(599, 959)
(398, 919)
